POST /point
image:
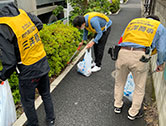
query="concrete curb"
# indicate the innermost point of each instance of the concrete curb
(22, 119)
(117, 12)
(126, 2)
(119, 9)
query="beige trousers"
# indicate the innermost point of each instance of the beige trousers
(128, 61)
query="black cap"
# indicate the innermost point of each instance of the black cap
(155, 17)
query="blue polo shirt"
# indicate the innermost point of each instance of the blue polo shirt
(97, 23)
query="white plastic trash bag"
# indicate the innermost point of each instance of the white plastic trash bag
(129, 87)
(84, 66)
(121, 1)
(7, 106)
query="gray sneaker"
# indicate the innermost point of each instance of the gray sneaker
(139, 115)
(117, 110)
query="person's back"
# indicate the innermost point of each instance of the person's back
(21, 47)
(140, 37)
(26, 71)
(140, 32)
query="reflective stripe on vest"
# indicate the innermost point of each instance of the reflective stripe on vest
(28, 38)
(141, 31)
(94, 14)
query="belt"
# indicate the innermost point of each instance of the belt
(132, 48)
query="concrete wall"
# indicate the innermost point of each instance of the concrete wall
(160, 92)
(160, 10)
(158, 78)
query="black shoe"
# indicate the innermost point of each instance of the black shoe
(51, 123)
(26, 124)
(117, 110)
(139, 115)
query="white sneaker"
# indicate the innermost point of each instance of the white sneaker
(93, 64)
(95, 69)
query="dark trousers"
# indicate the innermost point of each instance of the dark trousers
(99, 48)
(27, 92)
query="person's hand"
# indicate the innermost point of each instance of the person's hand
(160, 68)
(81, 43)
(89, 45)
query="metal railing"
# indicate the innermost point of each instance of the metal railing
(147, 7)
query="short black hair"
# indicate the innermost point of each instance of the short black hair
(155, 17)
(78, 21)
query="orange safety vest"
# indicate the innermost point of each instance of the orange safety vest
(28, 38)
(94, 14)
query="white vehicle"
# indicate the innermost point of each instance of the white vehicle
(42, 8)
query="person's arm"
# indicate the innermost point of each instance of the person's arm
(36, 21)
(7, 53)
(97, 27)
(85, 37)
(161, 47)
(85, 34)
(99, 32)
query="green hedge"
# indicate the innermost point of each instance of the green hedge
(60, 42)
(13, 81)
(115, 6)
(80, 7)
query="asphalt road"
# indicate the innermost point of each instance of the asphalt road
(88, 101)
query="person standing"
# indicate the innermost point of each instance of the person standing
(140, 37)
(21, 47)
(99, 24)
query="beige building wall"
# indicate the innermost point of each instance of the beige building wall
(160, 10)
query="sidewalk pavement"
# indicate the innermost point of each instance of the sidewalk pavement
(88, 101)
